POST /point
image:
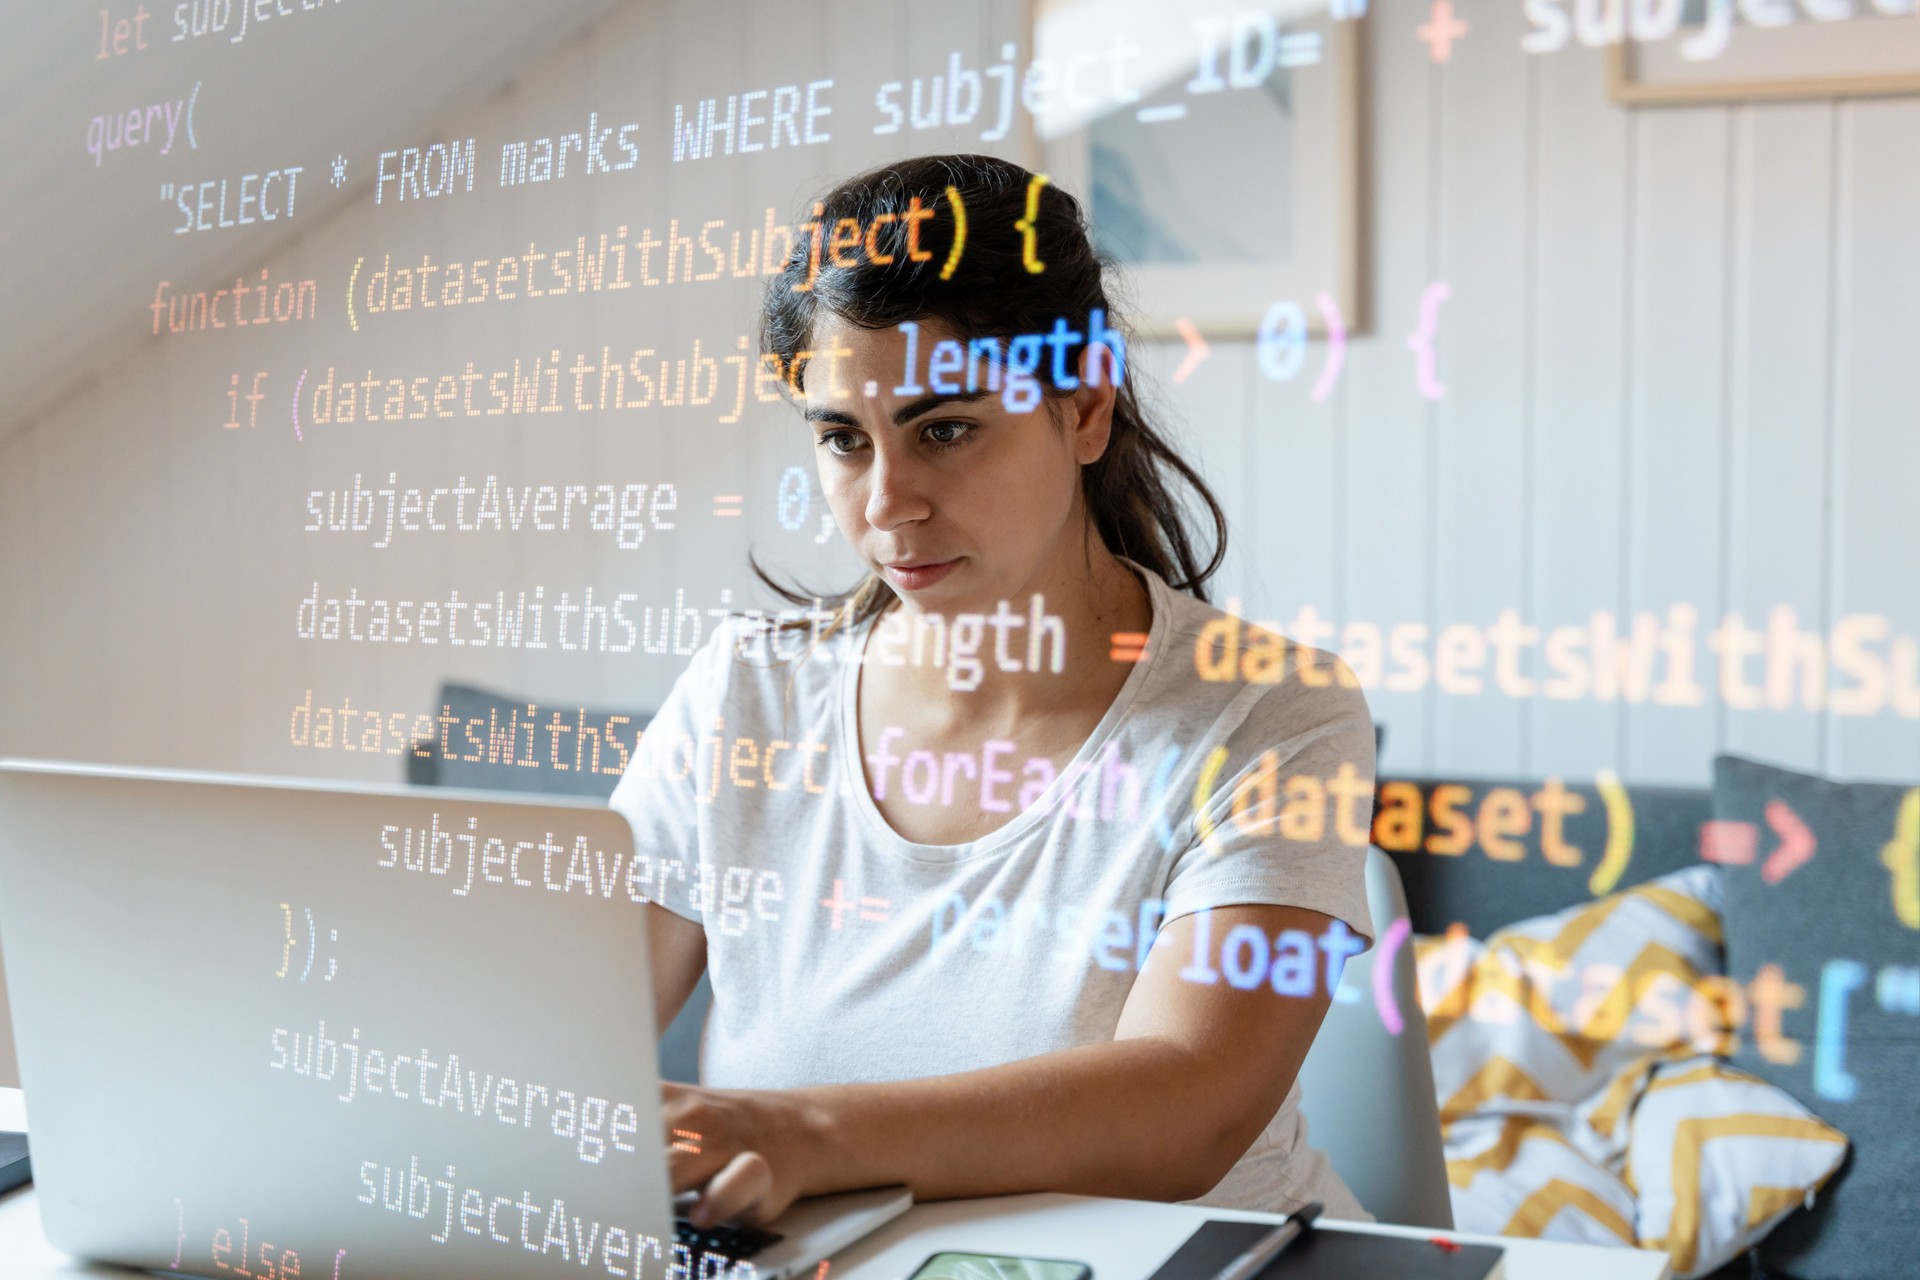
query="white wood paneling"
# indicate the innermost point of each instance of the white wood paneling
(1876, 451)
(1678, 428)
(1677, 353)
(1391, 446)
(1582, 211)
(1778, 446)
(1486, 250)
(1291, 549)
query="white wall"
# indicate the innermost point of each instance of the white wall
(1673, 365)
(1677, 357)
(1673, 354)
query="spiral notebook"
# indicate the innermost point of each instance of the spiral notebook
(1332, 1255)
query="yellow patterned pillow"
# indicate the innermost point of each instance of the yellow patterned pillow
(1554, 1008)
(1517, 1175)
(1579, 1098)
(1717, 1157)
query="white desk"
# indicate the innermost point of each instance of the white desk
(1128, 1239)
(1120, 1239)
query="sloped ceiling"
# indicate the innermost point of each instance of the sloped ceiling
(85, 243)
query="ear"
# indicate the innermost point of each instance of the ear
(1091, 422)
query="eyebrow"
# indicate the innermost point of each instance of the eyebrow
(904, 414)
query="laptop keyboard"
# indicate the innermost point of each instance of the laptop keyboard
(728, 1240)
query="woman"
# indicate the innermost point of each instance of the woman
(987, 910)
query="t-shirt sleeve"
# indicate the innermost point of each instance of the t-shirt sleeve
(1283, 801)
(657, 794)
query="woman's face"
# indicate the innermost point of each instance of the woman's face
(956, 501)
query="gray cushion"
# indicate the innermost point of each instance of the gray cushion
(1484, 891)
(500, 745)
(1833, 915)
(492, 742)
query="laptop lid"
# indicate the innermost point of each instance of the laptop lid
(272, 1028)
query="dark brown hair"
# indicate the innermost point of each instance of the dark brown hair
(987, 290)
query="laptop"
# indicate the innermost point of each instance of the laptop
(270, 1028)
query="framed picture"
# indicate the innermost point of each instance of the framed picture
(1232, 181)
(1715, 52)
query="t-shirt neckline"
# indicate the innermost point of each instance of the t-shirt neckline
(854, 776)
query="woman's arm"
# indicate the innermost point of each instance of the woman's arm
(677, 950)
(1162, 1112)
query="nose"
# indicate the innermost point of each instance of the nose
(896, 492)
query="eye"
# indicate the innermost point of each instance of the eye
(947, 435)
(839, 443)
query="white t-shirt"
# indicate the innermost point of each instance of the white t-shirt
(840, 952)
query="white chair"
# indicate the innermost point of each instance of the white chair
(680, 1043)
(1367, 1090)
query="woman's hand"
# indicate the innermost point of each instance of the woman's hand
(749, 1152)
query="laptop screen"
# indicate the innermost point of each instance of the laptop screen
(291, 1031)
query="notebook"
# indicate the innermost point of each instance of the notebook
(1332, 1255)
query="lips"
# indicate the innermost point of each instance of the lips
(920, 574)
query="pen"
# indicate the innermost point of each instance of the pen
(1268, 1247)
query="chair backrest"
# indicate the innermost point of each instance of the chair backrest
(680, 1042)
(1366, 1087)
(492, 742)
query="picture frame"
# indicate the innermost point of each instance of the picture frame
(1189, 258)
(1872, 54)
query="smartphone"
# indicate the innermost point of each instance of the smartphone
(990, 1266)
